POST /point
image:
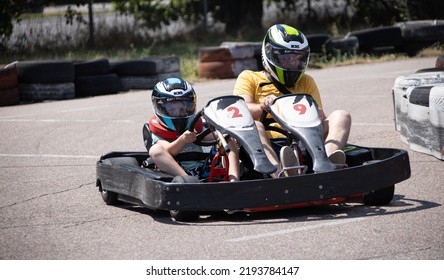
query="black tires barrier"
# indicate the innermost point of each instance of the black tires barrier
(45, 72)
(348, 44)
(144, 82)
(317, 42)
(378, 39)
(145, 73)
(420, 34)
(146, 67)
(93, 85)
(91, 68)
(40, 92)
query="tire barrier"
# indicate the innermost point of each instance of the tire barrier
(145, 73)
(94, 78)
(349, 44)
(418, 101)
(317, 42)
(378, 39)
(45, 80)
(417, 35)
(229, 59)
(9, 93)
(60, 80)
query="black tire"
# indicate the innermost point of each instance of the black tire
(349, 44)
(420, 96)
(97, 85)
(144, 82)
(379, 197)
(146, 67)
(184, 216)
(317, 42)
(40, 92)
(45, 72)
(94, 67)
(110, 198)
(372, 38)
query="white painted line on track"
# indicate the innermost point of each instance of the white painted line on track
(292, 230)
(84, 109)
(70, 121)
(48, 156)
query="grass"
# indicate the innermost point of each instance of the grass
(188, 50)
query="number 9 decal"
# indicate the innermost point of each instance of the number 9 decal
(301, 108)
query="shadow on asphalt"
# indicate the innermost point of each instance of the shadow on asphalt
(400, 204)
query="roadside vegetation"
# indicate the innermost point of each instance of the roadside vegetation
(130, 40)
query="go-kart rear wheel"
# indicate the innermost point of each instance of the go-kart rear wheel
(379, 197)
(184, 216)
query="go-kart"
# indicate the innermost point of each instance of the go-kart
(370, 174)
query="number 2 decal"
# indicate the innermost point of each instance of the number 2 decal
(301, 108)
(236, 113)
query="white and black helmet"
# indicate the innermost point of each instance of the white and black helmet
(174, 103)
(285, 54)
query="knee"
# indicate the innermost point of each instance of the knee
(157, 150)
(340, 117)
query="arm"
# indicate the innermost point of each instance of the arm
(177, 145)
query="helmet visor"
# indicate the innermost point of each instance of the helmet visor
(177, 108)
(290, 60)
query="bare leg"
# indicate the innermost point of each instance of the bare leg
(164, 161)
(268, 148)
(233, 158)
(336, 131)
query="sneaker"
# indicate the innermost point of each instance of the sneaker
(289, 160)
(338, 158)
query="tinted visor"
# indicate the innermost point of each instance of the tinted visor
(176, 108)
(290, 60)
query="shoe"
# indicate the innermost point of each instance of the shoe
(338, 158)
(288, 160)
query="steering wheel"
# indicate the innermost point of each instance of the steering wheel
(201, 136)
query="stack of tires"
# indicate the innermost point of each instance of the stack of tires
(417, 35)
(9, 93)
(45, 80)
(228, 60)
(94, 78)
(419, 110)
(144, 73)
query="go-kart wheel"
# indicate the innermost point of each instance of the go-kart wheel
(379, 197)
(184, 216)
(110, 198)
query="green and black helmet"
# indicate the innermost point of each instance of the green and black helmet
(285, 54)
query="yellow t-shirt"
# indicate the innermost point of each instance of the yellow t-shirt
(257, 85)
(249, 83)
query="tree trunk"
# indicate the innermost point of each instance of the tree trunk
(242, 16)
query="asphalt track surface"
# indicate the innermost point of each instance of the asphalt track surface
(50, 208)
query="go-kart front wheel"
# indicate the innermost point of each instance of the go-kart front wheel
(184, 216)
(379, 197)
